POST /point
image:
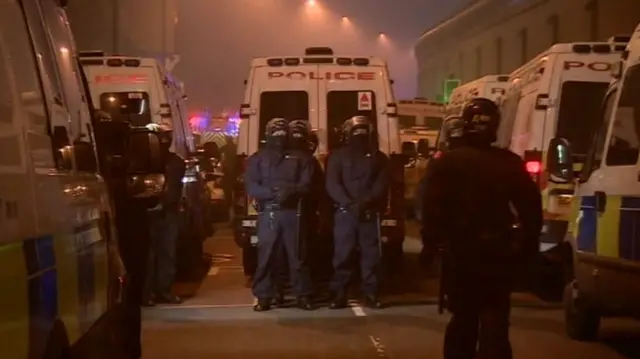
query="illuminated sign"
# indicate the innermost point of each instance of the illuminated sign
(121, 79)
(299, 75)
(593, 66)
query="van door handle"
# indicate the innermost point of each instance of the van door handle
(601, 201)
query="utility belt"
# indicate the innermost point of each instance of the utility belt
(276, 207)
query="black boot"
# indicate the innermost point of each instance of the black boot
(168, 298)
(279, 299)
(263, 305)
(372, 301)
(304, 302)
(338, 301)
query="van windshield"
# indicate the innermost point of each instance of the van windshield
(579, 113)
(127, 106)
(290, 105)
(342, 105)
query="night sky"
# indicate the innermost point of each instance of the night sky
(218, 38)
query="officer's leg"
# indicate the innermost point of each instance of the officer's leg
(344, 234)
(166, 256)
(369, 261)
(150, 282)
(298, 269)
(279, 271)
(263, 287)
(461, 335)
(494, 328)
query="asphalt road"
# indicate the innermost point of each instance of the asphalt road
(218, 322)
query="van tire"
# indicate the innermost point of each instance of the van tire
(58, 343)
(582, 323)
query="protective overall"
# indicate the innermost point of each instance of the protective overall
(473, 196)
(278, 179)
(452, 132)
(165, 229)
(357, 179)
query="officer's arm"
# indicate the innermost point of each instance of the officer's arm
(252, 181)
(381, 182)
(335, 189)
(306, 176)
(527, 201)
(420, 191)
(175, 171)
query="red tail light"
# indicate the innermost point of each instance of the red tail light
(534, 167)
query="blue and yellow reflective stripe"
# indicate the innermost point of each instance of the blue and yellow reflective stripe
(49, 278)
(614, 233)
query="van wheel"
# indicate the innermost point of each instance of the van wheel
(58, 343)
(581, 322)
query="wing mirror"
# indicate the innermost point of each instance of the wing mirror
(560, 161)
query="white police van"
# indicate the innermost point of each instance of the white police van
(490, 86)
(602, 246)
(326, 90)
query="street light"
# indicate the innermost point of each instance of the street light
(311, 2)
(345, 19)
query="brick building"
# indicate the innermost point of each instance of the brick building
(498, 36)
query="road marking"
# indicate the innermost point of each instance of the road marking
(377, 345)
(214, 271)
(358, 311)
(205, 306)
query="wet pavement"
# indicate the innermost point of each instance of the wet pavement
(218, 322)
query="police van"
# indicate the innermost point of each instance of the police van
(140, 91)
(61, 280)
(490, 86)
(324, 89)
(602, 247)
(556, 94)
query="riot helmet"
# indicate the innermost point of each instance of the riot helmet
(451, 134)
(481, 118)
(298, 134)
(277, 131)
(357, 132)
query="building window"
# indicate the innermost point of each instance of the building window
(524, 45)
(499, 55)
(478, 61)
(593, 12)
(554, 28)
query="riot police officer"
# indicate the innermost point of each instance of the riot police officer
(357, 180)
(278, 179)
(473, 196)
(450, 137)
(165, 226)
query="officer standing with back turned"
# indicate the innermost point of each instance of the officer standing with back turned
(278, 179)
(474, 194)
(357, 180)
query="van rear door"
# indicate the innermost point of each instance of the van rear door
(345, 94)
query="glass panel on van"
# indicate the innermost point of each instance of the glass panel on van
(624, 144)
(406, 121)
(127, 106)
(290, 105)
(342, 105)
(579, 113)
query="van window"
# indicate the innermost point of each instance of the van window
(406, 121)
(433, 123)
(579, 113)
(127, 106)
(594, 157)
(290, 105)
(624, 142)
(341, 106)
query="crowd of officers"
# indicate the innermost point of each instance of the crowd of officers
(286, 180)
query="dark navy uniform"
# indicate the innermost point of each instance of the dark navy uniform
(357, 180)
(473, 197)
(278, 179)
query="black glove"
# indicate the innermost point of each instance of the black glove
(283, 194)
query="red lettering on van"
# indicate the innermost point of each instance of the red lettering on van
(593, 66)
(298, 75)
(121, 79)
